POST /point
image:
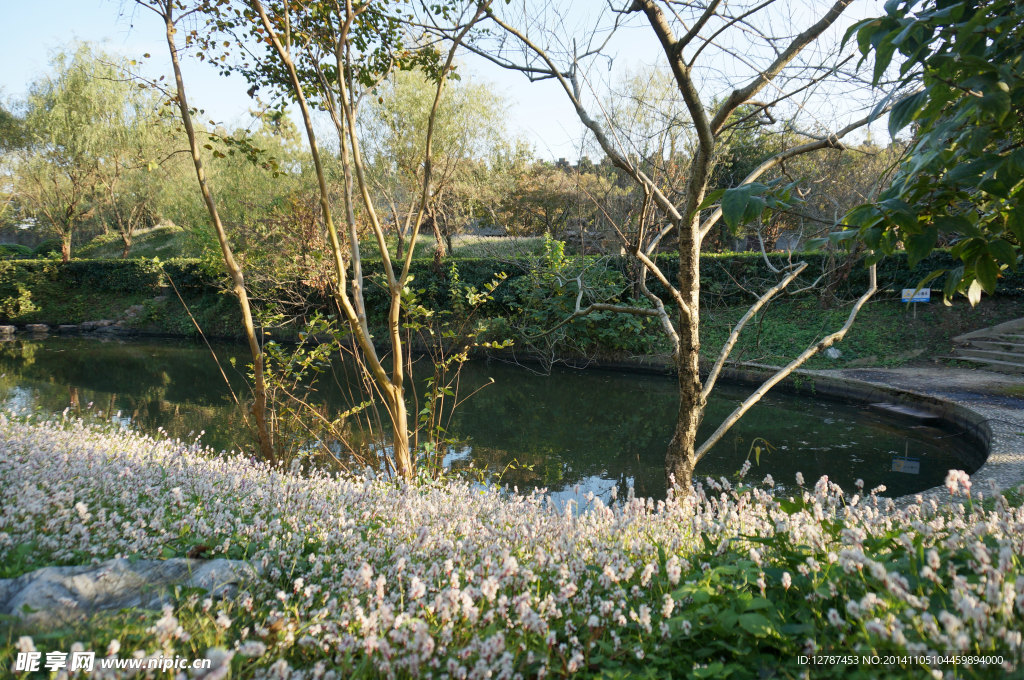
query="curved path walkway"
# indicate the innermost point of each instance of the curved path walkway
(998, 397)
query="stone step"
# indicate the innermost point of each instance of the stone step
(1009, 337)
(991, 354)
(993, 365)
(999, 346)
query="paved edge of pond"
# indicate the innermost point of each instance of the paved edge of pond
(987, 407)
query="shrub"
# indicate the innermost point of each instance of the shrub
(13, 251)
(47, 248)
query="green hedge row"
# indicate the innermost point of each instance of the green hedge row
(111, 276)
(728, 276)
(731, 276)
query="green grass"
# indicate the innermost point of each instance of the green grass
(884, 334)
(164, 242)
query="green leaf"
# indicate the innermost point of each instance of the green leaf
(883, 57)
(906, 110)
(986, 271)
(759, 603)
(996, 102)
(711, 199)
(756, 624)
(1003, 252)
(1015, 223)
(919, 246)
(956, 224)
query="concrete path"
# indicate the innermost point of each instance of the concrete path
(998, 397)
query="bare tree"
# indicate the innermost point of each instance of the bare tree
(729, 67)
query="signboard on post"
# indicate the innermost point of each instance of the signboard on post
(923, 295)
(911, 466)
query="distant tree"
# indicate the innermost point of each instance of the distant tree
(469, 129)
(74, 117)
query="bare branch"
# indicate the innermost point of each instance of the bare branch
(709, 383)
(830, 142)
(742, 95)
(826, 342)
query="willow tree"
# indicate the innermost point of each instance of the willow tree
(73, 117)
(729, 68)
(469, 130)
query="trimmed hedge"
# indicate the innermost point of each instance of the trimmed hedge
(13, 251)
(719, 276)
(110, 276)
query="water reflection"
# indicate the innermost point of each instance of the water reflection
(571, 432)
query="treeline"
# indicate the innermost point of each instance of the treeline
(91, 151)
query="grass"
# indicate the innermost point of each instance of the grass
(885, 333)
(164, 242)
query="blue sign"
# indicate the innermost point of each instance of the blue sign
(923, 295)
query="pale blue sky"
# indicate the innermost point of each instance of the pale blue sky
(539, 111)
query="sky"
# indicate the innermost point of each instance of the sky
(540, 112)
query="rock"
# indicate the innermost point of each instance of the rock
(160, 299)
(833, 353)
(94, 325)
(59, 595)
(67, 328)
(8, 330)
(134, 312)
(870, 360)
(37, 328)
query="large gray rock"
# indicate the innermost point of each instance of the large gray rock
(37, 328)
(8, 330)
(93, 325)
(56, 596)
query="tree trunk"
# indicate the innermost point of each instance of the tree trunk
(127, 245)
(259, 407)
(680, 459)
(65, 248)
(440, 251)
(400, 421)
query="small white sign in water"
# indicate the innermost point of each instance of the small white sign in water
(911, 466)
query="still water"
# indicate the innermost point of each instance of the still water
(570, 432)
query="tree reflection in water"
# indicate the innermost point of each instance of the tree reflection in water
(591, 430)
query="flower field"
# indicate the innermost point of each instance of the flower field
(372, 578)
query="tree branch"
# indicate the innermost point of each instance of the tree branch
(828, 341)
(740, 96)
(830, 142)
(709, 383)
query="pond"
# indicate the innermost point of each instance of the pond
(572, 432)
